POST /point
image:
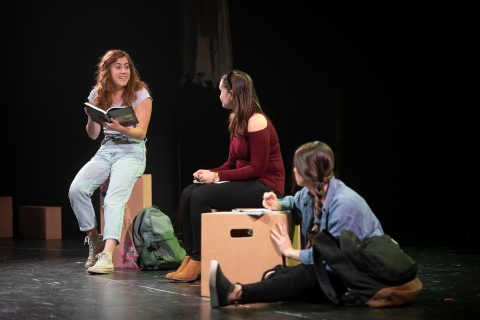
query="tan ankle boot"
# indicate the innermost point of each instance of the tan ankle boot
(95, 246)
(190, 273)
(180, 269)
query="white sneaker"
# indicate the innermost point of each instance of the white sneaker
(104, 263)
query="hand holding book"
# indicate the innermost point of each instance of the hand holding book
(124, 115)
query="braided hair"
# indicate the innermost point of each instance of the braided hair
(315, 161)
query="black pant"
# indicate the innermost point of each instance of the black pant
(197, 199)
(298, 283)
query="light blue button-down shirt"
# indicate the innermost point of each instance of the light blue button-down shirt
(344, 209)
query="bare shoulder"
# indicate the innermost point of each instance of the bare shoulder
(257, 122)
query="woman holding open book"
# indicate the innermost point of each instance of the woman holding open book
(120, 160)
(254, 166)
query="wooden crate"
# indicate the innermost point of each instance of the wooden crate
(40, 222)
(6, 217)
(242, 257)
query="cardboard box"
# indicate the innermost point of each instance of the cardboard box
(6, 217)
(241, 244)
(40, 222)
(125, 253)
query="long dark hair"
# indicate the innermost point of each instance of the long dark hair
(104, 83)
(315, 161)
(245, 101)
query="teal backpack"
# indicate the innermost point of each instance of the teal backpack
(157, 246)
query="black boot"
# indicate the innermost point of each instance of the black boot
(220, 286)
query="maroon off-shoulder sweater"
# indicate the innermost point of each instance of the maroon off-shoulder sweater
(255, 156)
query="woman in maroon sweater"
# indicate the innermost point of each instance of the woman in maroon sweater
(254, 166)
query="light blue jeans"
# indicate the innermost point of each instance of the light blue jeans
(120, 159)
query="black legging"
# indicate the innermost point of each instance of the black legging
(197, 199)
(297, 283)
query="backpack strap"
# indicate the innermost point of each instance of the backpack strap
(323, 278)
(320, 270)
(137, 237)
(333, 252)
(327, 247)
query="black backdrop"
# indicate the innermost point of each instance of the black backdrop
(370, 80)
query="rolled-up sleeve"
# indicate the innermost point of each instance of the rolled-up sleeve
(306, 256)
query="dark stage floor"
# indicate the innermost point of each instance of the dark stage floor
(46, 280)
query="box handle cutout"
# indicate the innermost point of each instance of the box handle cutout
(241, 233)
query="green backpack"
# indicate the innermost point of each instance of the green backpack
(157, 246)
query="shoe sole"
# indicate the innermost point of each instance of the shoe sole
(100, 270)
(213, 284)
(184, 280)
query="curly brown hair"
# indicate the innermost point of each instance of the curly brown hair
(104, 83)
(315, 161)
(245, 101)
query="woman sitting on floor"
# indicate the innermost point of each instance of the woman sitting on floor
(336, 207)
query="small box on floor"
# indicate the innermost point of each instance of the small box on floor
(6, 217)
(40, 222)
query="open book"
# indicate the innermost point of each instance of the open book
(257, 212)
(124, 115)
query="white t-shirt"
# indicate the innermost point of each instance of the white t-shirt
(142, 94)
